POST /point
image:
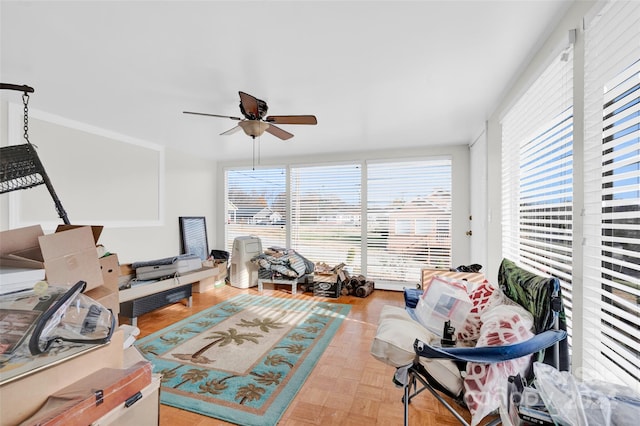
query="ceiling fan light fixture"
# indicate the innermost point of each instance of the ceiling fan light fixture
(253, 128)
(253, 124)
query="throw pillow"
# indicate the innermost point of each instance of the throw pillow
(482, 297)
(483, 384)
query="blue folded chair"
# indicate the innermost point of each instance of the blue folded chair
(541, 296)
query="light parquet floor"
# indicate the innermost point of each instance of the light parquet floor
(347, 387)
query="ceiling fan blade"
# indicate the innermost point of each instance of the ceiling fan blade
(249, 105)
(212, 115)
(278, 132)
(231, 131)
(292, 119)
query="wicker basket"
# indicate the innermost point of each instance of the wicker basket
(20, 168)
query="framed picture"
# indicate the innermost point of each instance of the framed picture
(193, 236)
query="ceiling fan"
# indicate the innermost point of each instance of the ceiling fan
(255, 123)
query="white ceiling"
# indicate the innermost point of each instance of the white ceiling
(377, 74)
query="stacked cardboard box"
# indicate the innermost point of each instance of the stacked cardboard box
(67, 256)
(327, 281)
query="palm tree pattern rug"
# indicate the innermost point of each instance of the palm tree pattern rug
(244, 359)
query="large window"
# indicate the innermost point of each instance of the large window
(408, 218)
(256, 205)
(612, 193)
(318, 210)
(537, 178)
(543, 199)
(325, 214)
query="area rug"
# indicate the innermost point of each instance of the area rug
(244, 359)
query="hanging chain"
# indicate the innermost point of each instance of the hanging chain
(25, 102)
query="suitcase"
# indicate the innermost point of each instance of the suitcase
(88, 399)
(168, 267)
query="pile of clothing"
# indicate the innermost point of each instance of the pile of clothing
(282, 264)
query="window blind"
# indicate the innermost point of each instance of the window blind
(256, 204)
(408, 218)
(537, 177)
(325, 214)
(612, 193)
(318, 211)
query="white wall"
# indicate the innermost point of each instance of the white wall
(478, 201)
(190, 184)
(186, 185)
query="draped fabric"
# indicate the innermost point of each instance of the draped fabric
(540, 296)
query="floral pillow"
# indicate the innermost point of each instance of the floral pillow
(482, 296)
(501, 325)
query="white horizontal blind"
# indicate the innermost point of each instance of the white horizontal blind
(408, 218)
(612, 194)
(325, 214)
(537, 158)
(256, 205)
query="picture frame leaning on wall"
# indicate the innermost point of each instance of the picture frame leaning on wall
(193, 236)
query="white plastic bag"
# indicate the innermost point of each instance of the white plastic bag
(574, 403)
(32, 321)
(443, 300)
(74, 317)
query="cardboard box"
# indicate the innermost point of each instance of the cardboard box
(71, 256)
(96, 230)
(429, 273)
(332, 276)
(22, 396)
(110, 269)
(324, 289)
(217, 280)
(108, 293)
(20, 248)
(325, 278)
(107, 297)
(68, 255)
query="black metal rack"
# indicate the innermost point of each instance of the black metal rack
(20, 166)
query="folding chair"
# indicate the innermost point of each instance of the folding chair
(540, 296)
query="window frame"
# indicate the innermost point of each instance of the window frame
(459, 157)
